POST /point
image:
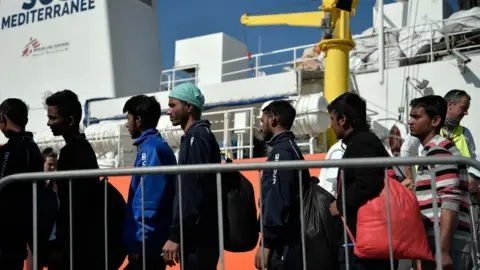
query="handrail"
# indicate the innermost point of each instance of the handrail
(173, 79)
(209, 168)
(419, 28)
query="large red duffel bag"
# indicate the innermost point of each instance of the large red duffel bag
(409, 238)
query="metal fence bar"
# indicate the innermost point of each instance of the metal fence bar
(260, 205)
(182, 238)
(474, 220)
(389, 220)
(436, 220)
(217, 167)
(105, 220)
(344, 207)
(142, 190)
(220, 222)
(302, 221)
(34, 249)
(70, 223)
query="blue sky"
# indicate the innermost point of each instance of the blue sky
(181, 19)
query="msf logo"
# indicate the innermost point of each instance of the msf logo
(30, 47)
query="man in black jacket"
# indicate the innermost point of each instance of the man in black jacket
(280, 192)
(349, 120)
(19, 155)
(199, 200)
(64, 115)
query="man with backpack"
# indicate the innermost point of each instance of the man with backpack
(143, 114)
(199, 200)
(282, 246)
(86, 196)
(19, 155)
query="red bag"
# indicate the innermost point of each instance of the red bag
(409, 239)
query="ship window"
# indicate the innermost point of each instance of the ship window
(148, 2)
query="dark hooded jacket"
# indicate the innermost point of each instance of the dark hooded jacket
(78, 154)
(361, 184)
(19, 155)
(280, 193)
(199, 200)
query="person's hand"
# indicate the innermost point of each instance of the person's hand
(447, 262)
(333, 209)
(133, 256)
(134, 259)
(170, 253)
(258, 257)
(408, 183)
(473, 185)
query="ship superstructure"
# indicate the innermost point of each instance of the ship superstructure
(428, 48)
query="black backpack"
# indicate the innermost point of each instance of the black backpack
(116, 206)
(240, 213)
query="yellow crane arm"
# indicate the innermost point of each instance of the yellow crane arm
(336, 42)
(305, 19)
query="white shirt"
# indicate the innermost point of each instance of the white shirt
(328, 176)
(412, 147)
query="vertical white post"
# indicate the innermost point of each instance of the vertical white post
(381, 42)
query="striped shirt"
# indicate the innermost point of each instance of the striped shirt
(452, 189)
(412, 147)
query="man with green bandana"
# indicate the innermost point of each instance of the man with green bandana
(199, 200)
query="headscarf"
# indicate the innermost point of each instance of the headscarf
(190, 93)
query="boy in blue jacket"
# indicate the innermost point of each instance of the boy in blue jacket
(143, 114)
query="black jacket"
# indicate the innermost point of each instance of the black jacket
(87, 218)
(199, 200)
(280, 194)
(361, 184)
(20, 155)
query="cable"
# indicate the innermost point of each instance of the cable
(249, 54)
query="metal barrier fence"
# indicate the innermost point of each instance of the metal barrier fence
(218, 169)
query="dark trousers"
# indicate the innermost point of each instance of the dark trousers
(201, 258)
(11, 262)
(357, 263)
(84, 260)
(84, 257)
(287, 258)
(151, 263)
(12, 256)
(80, 261)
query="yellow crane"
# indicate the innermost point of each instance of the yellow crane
(336, 43)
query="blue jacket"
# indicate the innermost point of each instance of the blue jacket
(159, 192)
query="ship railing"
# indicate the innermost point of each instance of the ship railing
(255, 168)
(440, 45)
(178, 75)
(238, 124)
(432, 35)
